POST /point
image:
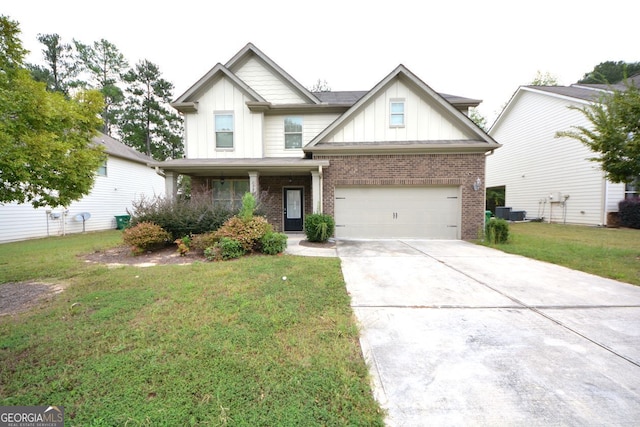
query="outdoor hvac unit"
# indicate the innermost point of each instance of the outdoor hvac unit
(503, 212)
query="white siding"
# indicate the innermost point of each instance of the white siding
(261, 79)
(312, 125)
(425, 120)
(111, 195)
(223, 95)
(533, 163)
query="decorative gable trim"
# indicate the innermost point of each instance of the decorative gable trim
(408, 77)
(250, 49)
(188, 102)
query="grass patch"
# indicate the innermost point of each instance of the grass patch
(606, 252)
(225, 343)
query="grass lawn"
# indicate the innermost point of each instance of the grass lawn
(225, 343)
(606, 252)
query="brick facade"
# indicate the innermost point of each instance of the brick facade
(412, 169)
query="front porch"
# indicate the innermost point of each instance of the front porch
(287, 189)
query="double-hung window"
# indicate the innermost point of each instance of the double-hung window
(292, 132)
(102, 170)
(224, 130)
(396, 113)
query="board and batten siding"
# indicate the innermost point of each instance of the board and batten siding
(533, 163)
(425, 120)
(262, 79)
(111, 195)
(312, 125)
(223, 96)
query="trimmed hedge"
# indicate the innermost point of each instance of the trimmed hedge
(319, 227)
(497, 231)
(629, 212)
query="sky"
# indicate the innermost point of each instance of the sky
(481, 49)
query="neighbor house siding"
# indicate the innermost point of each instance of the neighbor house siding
(111, 195)
(223, 96)
(425, 120)
(262, 79)
(312, 125)
(411, 170)
(534, 164)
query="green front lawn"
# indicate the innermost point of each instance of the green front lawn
(606, 252)
(225, 343)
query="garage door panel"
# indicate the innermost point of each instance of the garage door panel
(397, 212)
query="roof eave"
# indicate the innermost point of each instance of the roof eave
(432, 148)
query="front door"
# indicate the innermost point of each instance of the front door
(293, 198)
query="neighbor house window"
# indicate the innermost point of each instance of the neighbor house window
(224, 130)
(102, 170)
(396, 113)
(632, 189)
(293, 132)
(228, 192)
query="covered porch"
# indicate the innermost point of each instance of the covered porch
(287, 189)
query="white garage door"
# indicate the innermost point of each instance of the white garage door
(397, 212)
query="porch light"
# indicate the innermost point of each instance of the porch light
(477, 184)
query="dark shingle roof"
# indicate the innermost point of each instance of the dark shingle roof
(349, 98)
(116, 148)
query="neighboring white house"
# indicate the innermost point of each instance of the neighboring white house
(546, 176)
(124, 177)
(398, 160)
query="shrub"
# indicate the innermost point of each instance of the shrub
(497, 231)
(248, 207)
(274, 243)
(184, 245)
(145, 236)
(248, 233)
(629, 212)
(181, 217)
(319, 227)
(200, 242)
(228, 248)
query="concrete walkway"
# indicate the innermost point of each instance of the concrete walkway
(459, 334)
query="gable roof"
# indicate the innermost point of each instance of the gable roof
(251, 50)
(187, 102)
(402, 72)
(115, 148)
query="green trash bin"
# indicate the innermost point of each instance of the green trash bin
(487, 216)
(122, 221)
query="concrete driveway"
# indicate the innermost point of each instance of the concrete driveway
(459, 334)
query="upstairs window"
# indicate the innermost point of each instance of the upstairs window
(292, 132)
(396, 113)
(224, 130)
(102, 170)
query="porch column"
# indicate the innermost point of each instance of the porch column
(171, 184)
(316, 190)
(254, 183)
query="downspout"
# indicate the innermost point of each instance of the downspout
(320, 191)
(605, 196)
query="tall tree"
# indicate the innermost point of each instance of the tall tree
(148, 123)
(105, 66)
(60, 71)
(320, 86)
(46, 153)
(614, 134)
(610, 72)
(477, 118)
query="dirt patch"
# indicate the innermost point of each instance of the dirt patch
(122, 255)
(16, 297)
(328, 245)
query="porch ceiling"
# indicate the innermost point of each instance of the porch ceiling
(265, 167)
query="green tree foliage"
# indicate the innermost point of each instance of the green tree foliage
(544, 79)
(478, 118)
(60, 71)
(610, 72)
(148, 123)
(105, 66)
(46, 154)
(614, 134)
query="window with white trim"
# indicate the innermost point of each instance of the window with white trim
(102, 170)
(632, 189)
(396, 113)
(224, 130)
(292, 132)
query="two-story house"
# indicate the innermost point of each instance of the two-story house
(397, 161)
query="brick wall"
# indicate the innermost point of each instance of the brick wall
(415, 169)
